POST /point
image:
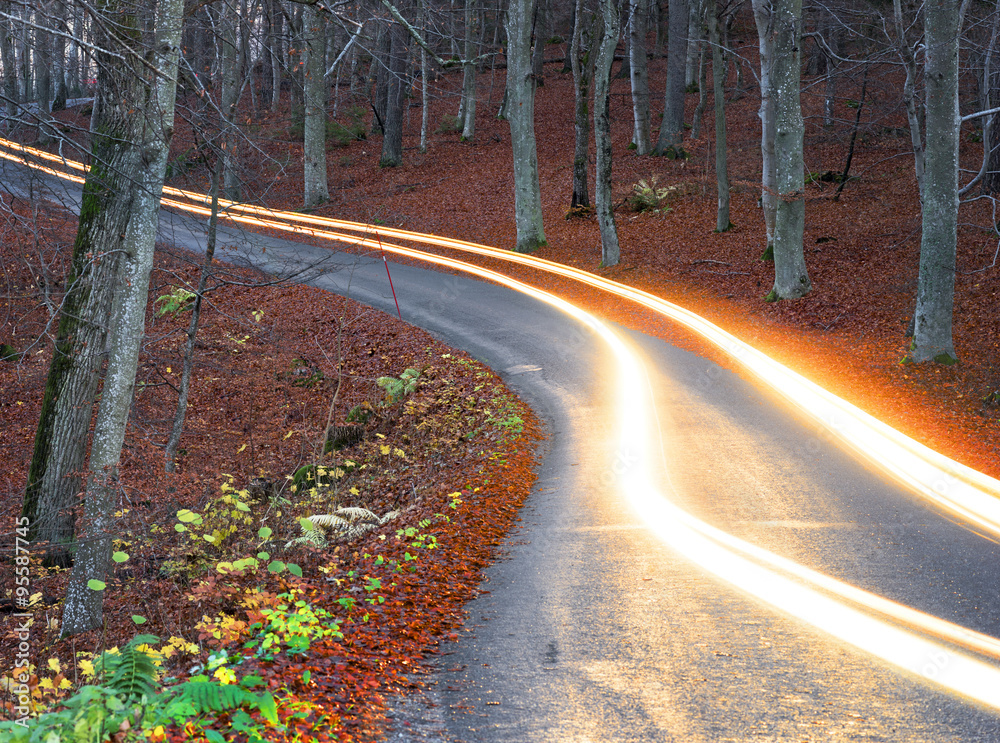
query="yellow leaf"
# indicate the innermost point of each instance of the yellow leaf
(355, 491)
(241, 448)
(86, 667)
(169, 370)
(53, 665)
(65, 684)
(46, 684)
(384, 449)
(399, 452)
(288, 435)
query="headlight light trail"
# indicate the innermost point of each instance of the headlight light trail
(894, 632)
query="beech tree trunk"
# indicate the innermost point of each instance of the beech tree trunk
(520, 112)
(8, 58)
(791, 280)
(768, 187)
(582, 64)
(137, 148)
(639, 76)
(932, 328)
(469, 75)
(315, 189)
(392, 140)
(672, 128)
(231, 76)
(722, 222)
(906, 53)
(610, 251)
(538, 49)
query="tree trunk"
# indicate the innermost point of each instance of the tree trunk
(538, 50)
(57, 50)
(769, 188)
(791, 280)
(520, 112)
(380, 63)
(602, 134)
(231, 75)
(469, 76)
(905, 51)
(932, 329)
(568, 60)
(314, 118)
(639, 76)
(425, 97)
(8, 59)
(696, 35)
(43, 76)
(581, 62)
(140, 145)
(990, 168)
(722, 222)
(672, 128)
(699, 108)
(277, 24)
(392, 141)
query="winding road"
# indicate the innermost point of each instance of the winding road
(701, 559)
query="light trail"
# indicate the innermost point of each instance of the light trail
(886, 629)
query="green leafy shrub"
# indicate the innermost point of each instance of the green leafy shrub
(397, 388)
(174, 302)
(292, 626)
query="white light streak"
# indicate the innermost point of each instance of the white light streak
(896, 633)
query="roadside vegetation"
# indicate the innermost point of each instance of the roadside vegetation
(342, 480)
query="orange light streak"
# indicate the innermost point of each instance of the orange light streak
(884, 628)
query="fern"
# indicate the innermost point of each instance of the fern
(344, 524)
(201, 696)
(132, 672)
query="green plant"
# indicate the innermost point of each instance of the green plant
(647, 196)
(128, 700)
(174, 302)
(292, 626)
(449, 124)
(397, 388)
(675, 152)
(8, 353)
(360, 413)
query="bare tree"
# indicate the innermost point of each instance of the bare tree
(521, 114)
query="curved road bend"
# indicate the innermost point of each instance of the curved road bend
(593, 629)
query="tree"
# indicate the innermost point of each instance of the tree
(582, 64)
(672, 128)
(722, 222)
(118, 220)
(521, 115)
(781, 25)
(314, 116)
(602, 134)
(639, 76)
(392, 141)
(468, 117)
(932, 327)
(231, 72)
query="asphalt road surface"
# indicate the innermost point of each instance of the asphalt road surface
(591, 627)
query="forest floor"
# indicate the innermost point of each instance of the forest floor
(267, 380)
